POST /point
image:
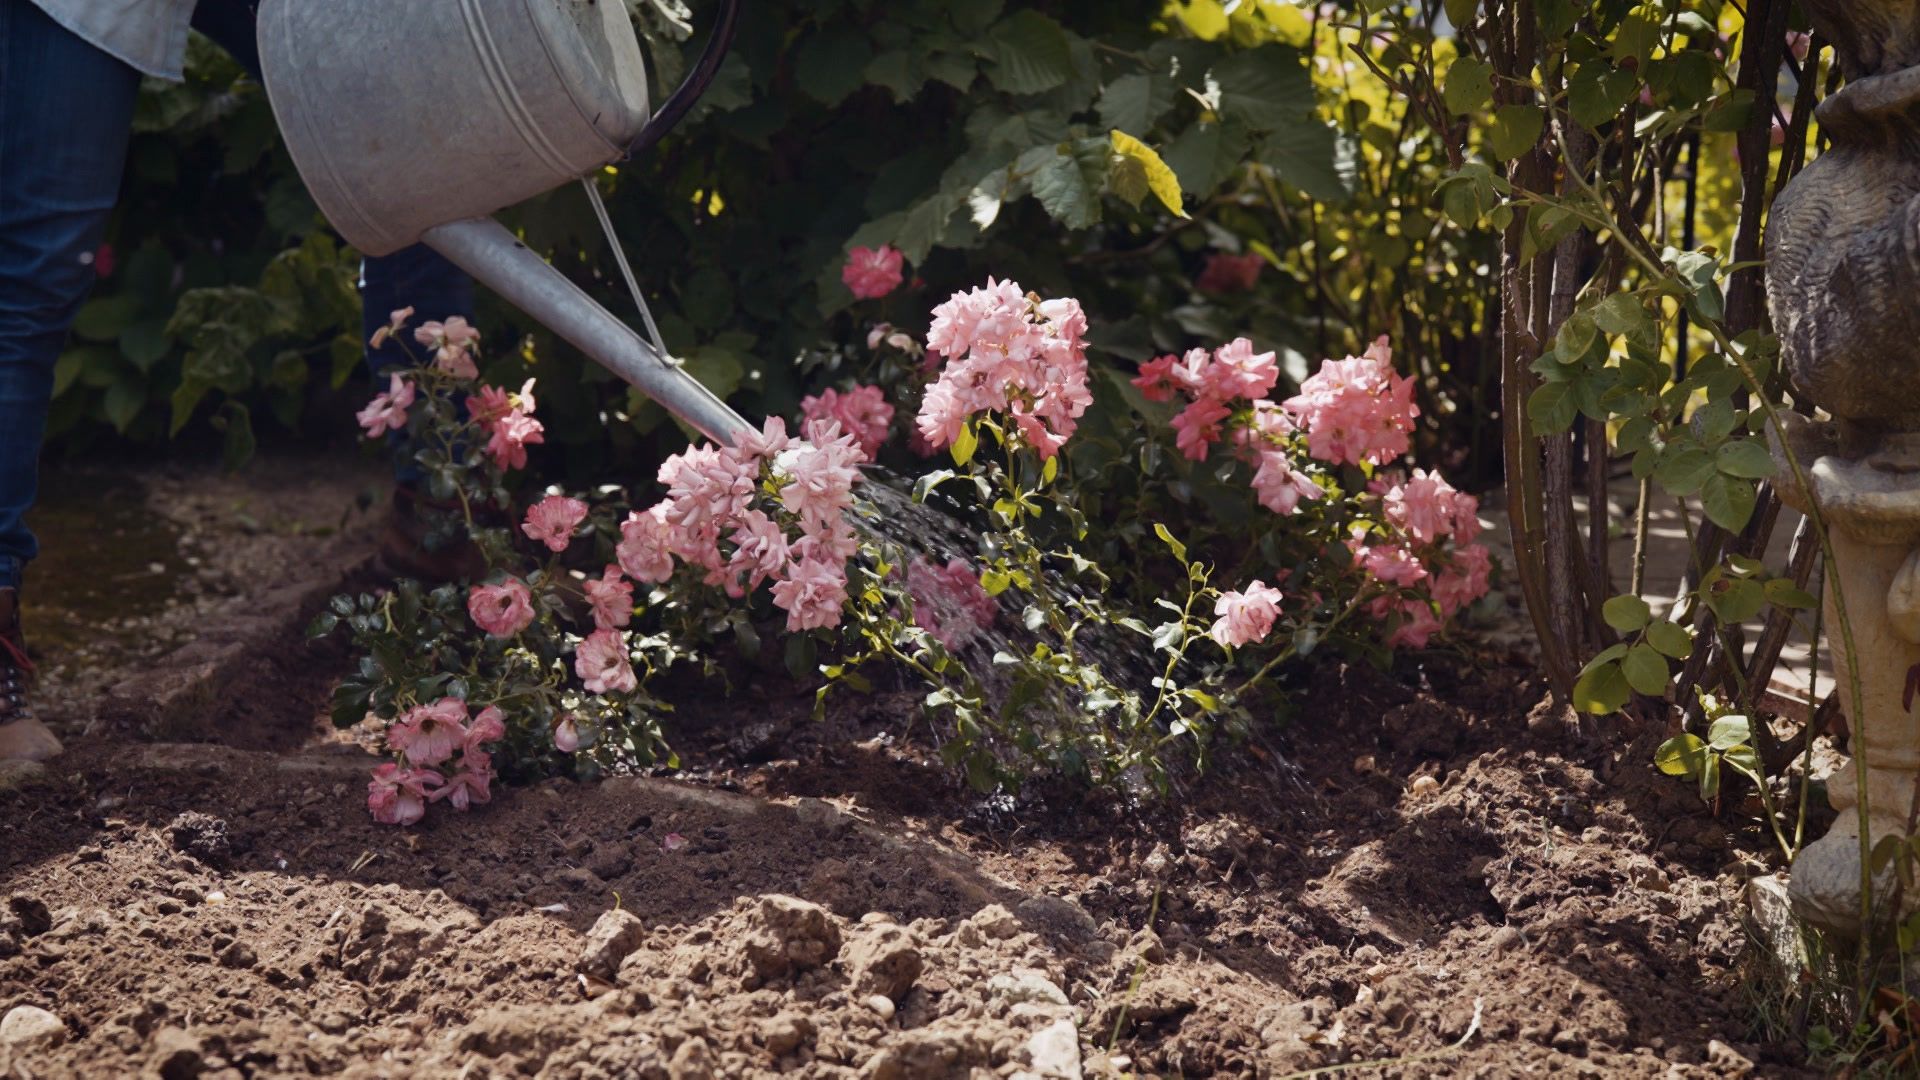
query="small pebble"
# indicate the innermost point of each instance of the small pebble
(881, 1004)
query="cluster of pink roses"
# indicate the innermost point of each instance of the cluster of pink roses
(1008, 352)
(717, 516)
(505, 417)
(1351, 412)
(1429, 544)
(862, 412)
(426, 736)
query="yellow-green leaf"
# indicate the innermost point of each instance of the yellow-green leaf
(964, 446)
(1159, 179)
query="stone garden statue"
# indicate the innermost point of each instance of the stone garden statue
(1843, 285)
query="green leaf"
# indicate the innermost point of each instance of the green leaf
(145, 343)
(1267, 88)
(124, 401)
(1137, 170)
(1597, 94)
(1030, 53)
(1782, 592)
(1461, 12)
(1577, 335)
(1736, 600)
(1729, 731)
(964, 446)
(1682, 472)
(1745, 759)
(1728, 501)
(1747, 457)
(1552, 407)
(1603, 689)
(901, 71)
(1646, 670)
(1134, 102)
(1683, 755)
(1166, 536)
(238, 446)
(1469, 86)
(1067, 185)
(1671, 639)
(1623, 315)
(1310, 155)
(103, 319)
(1626, 613)
(831, 65)
(1516, 128)
(1204, 155)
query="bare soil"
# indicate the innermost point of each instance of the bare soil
(1423, 863)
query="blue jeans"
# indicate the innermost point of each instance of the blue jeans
(66, 112)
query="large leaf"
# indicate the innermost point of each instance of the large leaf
(1469, 85)
(1133, 102)
(831, 65)
(1310, 155)
(1138, 172)
(1068, 184)
(1267, 88)
(1727, 500)
(1030, 53)
(1515, 129)
(1206, 154)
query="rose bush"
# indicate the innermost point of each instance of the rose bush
(1030, 650)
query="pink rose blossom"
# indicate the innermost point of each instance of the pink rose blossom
(812, 594)
(398, 796)
(760, 551)
(1416, 621)
(489, 725)
(769, 442)
(1280, 486)
(1422, 506)
(1226, 273)
(862, 412)
(1239, 372)
(1463, 580)
(1156, 378)
(553, 519)
(388, 411)
(820, 474)
(395, 321)
(501, 610)
(1246, 616)
(1392, 564)
(430, 734)
(611, 597)
(645, 550)
(602, 664)
(451, 342)
(948, 601)
(566, 734)
(472, 784)
(872, 272)
(509, 437)
(1197, 427)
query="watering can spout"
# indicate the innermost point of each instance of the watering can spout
(484, 248)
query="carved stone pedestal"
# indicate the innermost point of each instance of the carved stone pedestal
(1872, 509)
(1843, 286)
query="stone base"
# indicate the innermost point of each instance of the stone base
(1777, 929)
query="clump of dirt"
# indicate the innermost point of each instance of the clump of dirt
(1424, 866)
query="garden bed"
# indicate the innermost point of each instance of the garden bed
(1413, 852)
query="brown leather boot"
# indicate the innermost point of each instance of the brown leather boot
(22, 736)
(414, 544)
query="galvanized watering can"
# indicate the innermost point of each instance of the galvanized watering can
(411, 120)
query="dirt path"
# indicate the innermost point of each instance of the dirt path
(196, 890)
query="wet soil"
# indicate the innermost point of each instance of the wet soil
(1425, 865)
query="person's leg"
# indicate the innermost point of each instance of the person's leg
(66, 110)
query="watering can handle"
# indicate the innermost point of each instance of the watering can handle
(695, 84)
